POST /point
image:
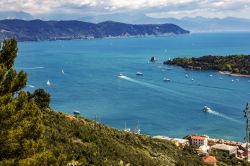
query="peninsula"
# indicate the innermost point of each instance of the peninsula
(234, 65)
(36, 30)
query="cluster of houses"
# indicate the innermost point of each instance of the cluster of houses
(205, 145)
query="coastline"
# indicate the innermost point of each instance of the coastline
(233, 74)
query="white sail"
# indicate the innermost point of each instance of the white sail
(48, 83)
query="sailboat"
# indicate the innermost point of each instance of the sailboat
(126, 129)
(137, 129)
(48, 83)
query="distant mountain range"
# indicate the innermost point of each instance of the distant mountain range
(52, 30)
(194, 24)
(15, 15)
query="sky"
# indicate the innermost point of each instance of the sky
(69, 9)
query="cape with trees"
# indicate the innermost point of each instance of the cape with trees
(238, 64)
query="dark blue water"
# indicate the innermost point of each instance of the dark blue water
(90, 83)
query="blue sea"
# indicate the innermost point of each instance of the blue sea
(90, 83)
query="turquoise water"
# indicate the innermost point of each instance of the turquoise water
(90, 83)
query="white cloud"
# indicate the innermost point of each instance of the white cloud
(155, 8)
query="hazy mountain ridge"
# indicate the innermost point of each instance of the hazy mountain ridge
(15, 15)
(50, 30)
(194, 24)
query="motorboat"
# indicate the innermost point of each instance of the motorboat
(76, 112)
(166, 79)
(139, 73)
(206, 109)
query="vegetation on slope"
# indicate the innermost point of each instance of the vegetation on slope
(239, 64)
(33, 134)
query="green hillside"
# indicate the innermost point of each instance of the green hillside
(33, 134)
(238, 64)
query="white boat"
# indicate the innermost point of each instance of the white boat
(210, 75)
(139, 73)
(76, 112)
(137, 129)
(206, 109)
(120, 74)
(186, 75)
(192, 79)
(232, 80)
(62, 71)
(48, 83)
(166, 79)
(126, 129)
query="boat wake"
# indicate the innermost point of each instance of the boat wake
(31, 68)
(30, 86)
(223, 116)
(152, 86)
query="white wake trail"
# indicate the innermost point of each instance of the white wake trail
(31, 68)
(30, 86)
(223, 116)
(152, 86)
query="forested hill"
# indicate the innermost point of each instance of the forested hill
(52, 30)
(238, 64)
(32, 134)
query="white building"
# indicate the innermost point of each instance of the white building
(226, 148)
(196, 140)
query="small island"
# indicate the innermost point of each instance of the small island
(233, 65)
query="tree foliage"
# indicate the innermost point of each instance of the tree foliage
(41, 98)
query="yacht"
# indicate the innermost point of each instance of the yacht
(206, 109)
(139, 73)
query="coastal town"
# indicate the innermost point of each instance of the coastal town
(206, 147)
